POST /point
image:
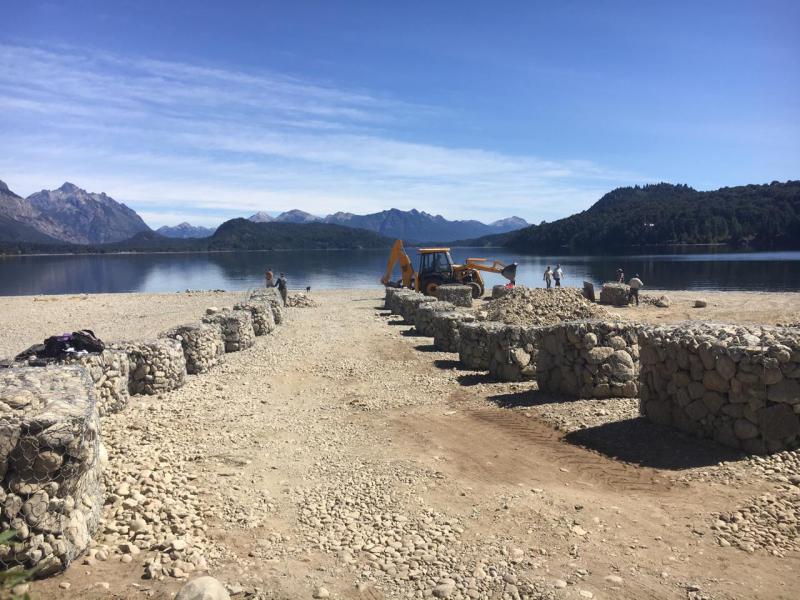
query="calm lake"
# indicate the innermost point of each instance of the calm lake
(774, 271)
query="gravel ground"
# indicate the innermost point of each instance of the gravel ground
(341, 457)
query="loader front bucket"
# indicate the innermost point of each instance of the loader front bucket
(509, 271)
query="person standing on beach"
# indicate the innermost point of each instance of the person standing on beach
(620, 276)
(635, 283)
(557, 275)
(270, 279)
(548, 277)
(282, 288)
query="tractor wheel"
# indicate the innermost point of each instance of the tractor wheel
(477, 289)
(429, 286)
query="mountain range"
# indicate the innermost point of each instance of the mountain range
(411, 225)
(184, 231)
(67, 214)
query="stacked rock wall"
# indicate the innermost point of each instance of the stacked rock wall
(739, 386)
(615, 294)
(110, 373)
(512, 353)
(409, 304)
(155, 366)
(460, 295)
(475, 343)
(445, 329)
(423, 320)
(51, 492)
(202, 345)
(395, 298)
(498, 291)
(236, 327)
(263, 317)
(588, 359)
(272, 298)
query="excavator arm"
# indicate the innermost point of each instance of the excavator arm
(398, 255)
(507, 271)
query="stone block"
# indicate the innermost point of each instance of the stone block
(460, 295)
(156, 366)
(51, 491)
(202, 345)
(236, 327)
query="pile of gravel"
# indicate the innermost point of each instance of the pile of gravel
(537, 306)
(299, 300)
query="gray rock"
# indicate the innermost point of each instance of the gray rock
(203, 588)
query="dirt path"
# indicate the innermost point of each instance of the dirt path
(336, 453)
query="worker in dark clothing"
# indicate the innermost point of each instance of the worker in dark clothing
(282, 288)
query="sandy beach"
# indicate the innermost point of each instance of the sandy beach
(343, 452)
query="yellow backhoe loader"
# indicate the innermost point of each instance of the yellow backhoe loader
(436, 268)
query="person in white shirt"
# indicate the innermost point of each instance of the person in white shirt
(557, 275)
(635, 283)
(548, 276)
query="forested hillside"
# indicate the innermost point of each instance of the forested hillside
(761, 217)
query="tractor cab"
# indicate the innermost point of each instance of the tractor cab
(435, 261)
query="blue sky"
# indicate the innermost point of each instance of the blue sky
(203, 111)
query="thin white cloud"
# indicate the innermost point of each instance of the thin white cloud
(173, 138)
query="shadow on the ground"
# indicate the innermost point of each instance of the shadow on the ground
(474, 378)
(642, 442)
(523, 398)
(426, 348)
(411, 333)
(447, 364)
(400, 322)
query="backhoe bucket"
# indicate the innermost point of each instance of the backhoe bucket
(509, 271)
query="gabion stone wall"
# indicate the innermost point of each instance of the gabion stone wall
(110, 373)
(263, 318)
(51, 491)
(737, 385)
(588, 359)
(474, 343)
(395, 297)
(388, 295)
(155, 366)
(272, 297)
(237, 328)
(423, 320)
(512, 353)
(445, 329)
(460, 295)
(615, 294)
(409, 304)
(202, 345)
(498, 291)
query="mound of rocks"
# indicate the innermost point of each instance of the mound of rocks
(445, 327)
(423, 319)
(298, 300)
(460, 295)
(51, 489)
(737, 385)
(156, 366)
(475, 343)
(237, 328)
(615, 294)
(263, 317)
(202, 345)
(538, 306)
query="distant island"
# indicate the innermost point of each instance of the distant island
(758, 217)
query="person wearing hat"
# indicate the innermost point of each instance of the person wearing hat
(635, 283)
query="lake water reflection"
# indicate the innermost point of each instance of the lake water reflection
(774, 271)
